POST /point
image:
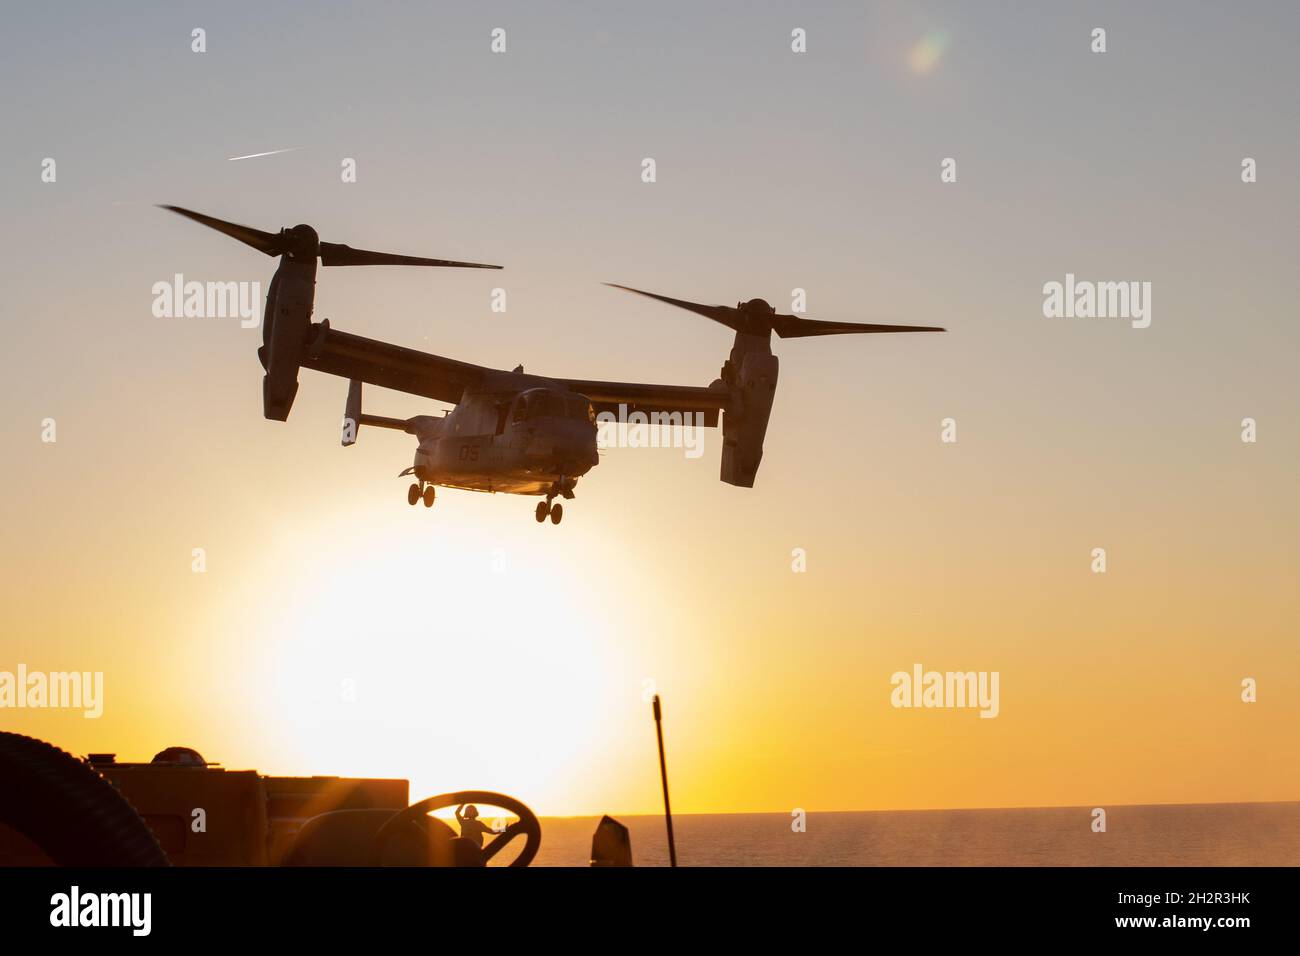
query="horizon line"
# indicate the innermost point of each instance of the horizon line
(1063, 806)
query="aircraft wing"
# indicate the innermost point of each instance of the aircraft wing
(684, 399)
(445, 380)
(392, 366)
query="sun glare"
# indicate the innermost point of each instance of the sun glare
(425, 656)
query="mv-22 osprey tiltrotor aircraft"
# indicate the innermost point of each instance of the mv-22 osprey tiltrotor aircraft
(510, 432)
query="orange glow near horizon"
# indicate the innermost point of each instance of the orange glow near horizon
(442, 662)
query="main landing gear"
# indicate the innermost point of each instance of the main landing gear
(415, 493)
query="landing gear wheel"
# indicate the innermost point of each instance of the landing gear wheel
(543, 509)
(557, 512)
(428, 496)
(412, 494)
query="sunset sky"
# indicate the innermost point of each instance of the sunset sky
(491, 652)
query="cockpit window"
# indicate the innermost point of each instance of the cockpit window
(545, 405)
(580, 409)
(542, 404)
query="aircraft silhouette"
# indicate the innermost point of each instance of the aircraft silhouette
(509, 432)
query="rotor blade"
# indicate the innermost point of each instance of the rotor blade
(266, 242)
(718, 313)
(794, 327)
(338, 254)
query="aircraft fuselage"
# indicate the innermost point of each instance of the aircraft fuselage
(525, 443)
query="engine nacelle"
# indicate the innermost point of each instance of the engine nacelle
(289, 305)
(751, 378)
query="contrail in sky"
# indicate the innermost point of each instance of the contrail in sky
(271, 153)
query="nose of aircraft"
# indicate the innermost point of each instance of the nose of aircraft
(563, 446)
(574, 448)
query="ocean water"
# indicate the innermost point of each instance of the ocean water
(1224, 834)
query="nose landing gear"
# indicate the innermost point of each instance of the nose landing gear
(562, 488)
(415, 493)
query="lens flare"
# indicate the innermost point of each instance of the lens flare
(927, 52)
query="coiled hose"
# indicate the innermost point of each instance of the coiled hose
(69, 810)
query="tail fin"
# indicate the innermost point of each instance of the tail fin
(354, 417)
(352, 413)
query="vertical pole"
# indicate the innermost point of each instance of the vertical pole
(663, 775)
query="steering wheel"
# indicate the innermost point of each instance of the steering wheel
(444, 848)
